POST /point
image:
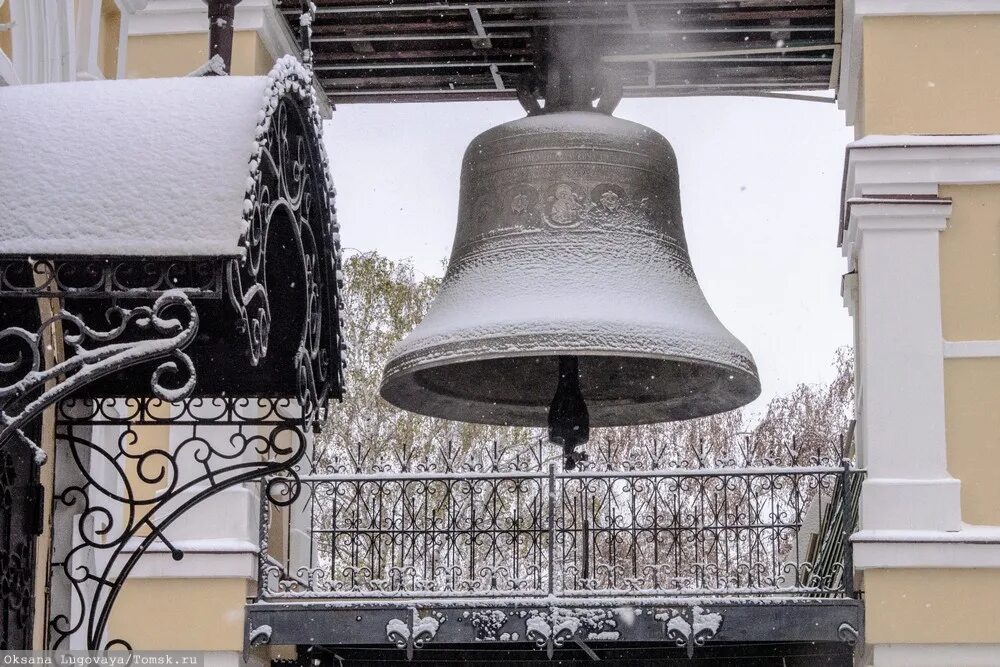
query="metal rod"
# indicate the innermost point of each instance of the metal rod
(437, 7)
(523, 34)
(681, 55)
(552, 528)
(220, 30)
(440, 64)
(847, 526)
(517, 474)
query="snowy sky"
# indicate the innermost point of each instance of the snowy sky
(760, 186)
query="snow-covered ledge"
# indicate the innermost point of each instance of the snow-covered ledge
(917, 165)
(970, 547)
(209, 558)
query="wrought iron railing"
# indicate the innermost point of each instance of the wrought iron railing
(526, 529)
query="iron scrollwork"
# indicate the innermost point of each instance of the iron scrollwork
(290, 187)
(112, 277)
(19, 506)
(29, 386)
(128, 492)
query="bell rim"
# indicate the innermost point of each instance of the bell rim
(400, 383)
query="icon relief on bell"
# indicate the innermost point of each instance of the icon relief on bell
(522, 203)
(608, 197)
(483, 210)
(564, 206)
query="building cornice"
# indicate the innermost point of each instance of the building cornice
(908, 167)
(854, 12)
(970, 547)
(890, 213)
(182, 16)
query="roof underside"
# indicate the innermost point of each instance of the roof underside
(382, 51)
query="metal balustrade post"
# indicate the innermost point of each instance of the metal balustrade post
(264, 529)
(552, 528)
(847, 526)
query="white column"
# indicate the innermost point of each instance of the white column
(902, 421)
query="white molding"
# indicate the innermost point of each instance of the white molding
(131, 6)
(879, 165)
(88, 35)
(126, 18)
(925, 7)
(915, 166)
(8, 76)
(970, 547)
(161, 17)
(934, 655)
(849, 82)
(278, 38)
(203, 559)
(877, 555)
(164, 17)
(971, 349)
(880, 214)
(851, 51)
(849, 292)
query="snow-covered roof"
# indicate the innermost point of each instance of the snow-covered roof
(155, 167)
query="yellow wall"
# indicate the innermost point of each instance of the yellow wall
(970, 310)
(178, 55)
(931, 74)
(970, 263)
(148, 438)
(972, 409)
(193, 614)
(5, 38)
(932, 606)
(108, 39)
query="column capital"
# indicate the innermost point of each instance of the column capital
(891, 214)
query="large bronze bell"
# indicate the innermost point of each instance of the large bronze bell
(570, 299)
(570, 245)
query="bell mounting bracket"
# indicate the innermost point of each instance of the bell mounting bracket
(569, 75)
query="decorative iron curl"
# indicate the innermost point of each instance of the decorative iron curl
(289, 183)
(96, 278)
(29, 386)
(126, 499)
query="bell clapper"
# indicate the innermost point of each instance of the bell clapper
(569, 420)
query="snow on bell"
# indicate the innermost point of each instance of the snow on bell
(570, 272)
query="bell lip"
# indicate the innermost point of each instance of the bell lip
(402, 382)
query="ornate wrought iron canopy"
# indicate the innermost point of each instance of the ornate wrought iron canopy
(211, 310)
